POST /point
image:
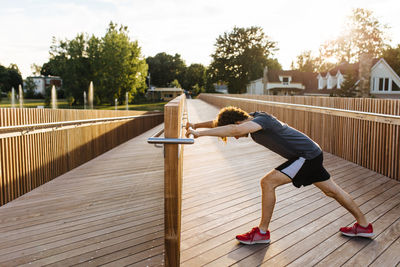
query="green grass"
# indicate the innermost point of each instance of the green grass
(147, 107)
(63, 104)
(31, 103)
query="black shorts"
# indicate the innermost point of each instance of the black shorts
(303, 171)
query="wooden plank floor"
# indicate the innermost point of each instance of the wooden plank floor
(108, 211)
(221, 198)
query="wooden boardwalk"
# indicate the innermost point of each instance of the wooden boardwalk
(221, 198)
(108, 211)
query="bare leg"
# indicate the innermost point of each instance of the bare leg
(268, 184)
(331, 189)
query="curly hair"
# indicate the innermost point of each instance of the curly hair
(230, 115)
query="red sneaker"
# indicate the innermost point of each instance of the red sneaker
(358, 230)
(254, 237)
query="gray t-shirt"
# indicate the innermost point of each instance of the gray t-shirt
(283, 139)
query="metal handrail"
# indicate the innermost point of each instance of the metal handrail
(362, 115)
(20, 130)
(155, 139)
(161, 140)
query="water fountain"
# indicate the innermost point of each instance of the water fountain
(53, 97)
(21, 96)
(84, 100)
(90, 97)
(12, 97)
(127, 100)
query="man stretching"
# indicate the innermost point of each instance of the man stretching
(303, 166)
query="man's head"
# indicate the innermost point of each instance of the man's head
(231, 115)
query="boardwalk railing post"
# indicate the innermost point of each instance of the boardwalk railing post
(173, 112)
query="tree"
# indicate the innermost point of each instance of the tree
(4, 81)
(305, 62)
(392, 57)
(9, 77)
(54, 67)
(209, 86)
(121, 68)
(349, 86)
(14, 75)
(114, 63)
(36, 69)
(69, 59)
(29, 88)
(174, 84)
(363, 34)
(308, 63)
(165, 68)
(196, 89)
(273, 64)
(241, 56)
(195, 74)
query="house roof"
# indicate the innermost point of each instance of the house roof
(346, 68)
(273, 75)
(308, 79)
(297, 76)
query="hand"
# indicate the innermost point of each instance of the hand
(189, 125)
(190, 131)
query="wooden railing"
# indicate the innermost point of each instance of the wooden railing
(173, 166)
(37, 145)
(364, 131)
(175, 118)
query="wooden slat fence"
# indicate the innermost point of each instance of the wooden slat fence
(29, 161)
(173, 168)
(363, 140)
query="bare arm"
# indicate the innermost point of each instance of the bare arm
(205, 124)
(228, 130)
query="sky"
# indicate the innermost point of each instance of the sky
(186, 27)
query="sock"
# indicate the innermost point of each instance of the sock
(262, 232)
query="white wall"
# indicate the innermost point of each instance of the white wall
(280, 85)
(382, 70)
(339, 79)
(255, 87)
(330, 81)
(40, 85)
(321, 82)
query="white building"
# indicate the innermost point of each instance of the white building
(282, 82)
(256, 87)
(42, 82)
(221, 88)
(163, 94)
(373, 74)
(384, 81)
